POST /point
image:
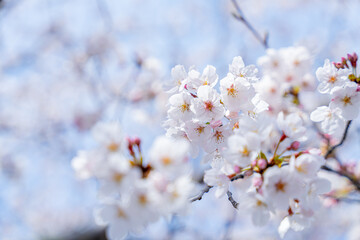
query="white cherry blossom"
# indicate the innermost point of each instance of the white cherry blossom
(330, 118)
(237, 93)
(216, 177)
(292, 125)
(180, 105)
(330, 77)
(243, 149)
(179, 75)
(238, 69)
(280, 186)
(207, 105)
(347, 99)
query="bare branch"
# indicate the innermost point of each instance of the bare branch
(240, 16)
(341, 142)
(344, 199)
(200, 195)
(343, 173)
(207, 188)
(239, 176)
(232, 200)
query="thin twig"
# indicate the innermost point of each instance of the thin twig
(353, 180)
(344, 199)
(207, 188)
(200, 195)
(232, 200)
(341, 142)
(240, 16)
(239, 176)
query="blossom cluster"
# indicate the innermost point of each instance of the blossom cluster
(286, 77)
(340, 83)
(256, 134)
(134, 192)
(263, 151)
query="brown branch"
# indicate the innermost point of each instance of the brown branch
(341, 142)
(343, 199)
(200, 195)
(96, 235)
(240, 16)
(345, 174)
(232, 200)
(207, 188)
(239, 176)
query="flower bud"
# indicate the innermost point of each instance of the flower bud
(262, 164)
(237, 169)
(130, 146)
(353, 59)
(294, 146)
(137, 141)
(283, 137)
(338, 65)
(344, 62)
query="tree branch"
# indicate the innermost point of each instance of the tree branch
(200, 195)
(344, 199)
(207, 188)
(341, 142)
(353, 180)
(240, 16)
(239, 176)
(232, 200)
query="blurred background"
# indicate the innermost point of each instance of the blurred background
(65, 65)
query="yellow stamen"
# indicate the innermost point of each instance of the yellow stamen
(280, 186)
(166, 161)
(118, 177)
(113, 147)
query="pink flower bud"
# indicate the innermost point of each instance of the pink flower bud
(130, 146)
(344, 62)
(338, 65)
(137, 141)
(283, 136)
(237, 169)
(353, 59)
(294, 146)
(262, 164)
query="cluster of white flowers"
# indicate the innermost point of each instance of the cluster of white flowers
(267, 148)
(202, 115)
(341, 84)
(262, 147)
(286, 75)
(134, 193)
